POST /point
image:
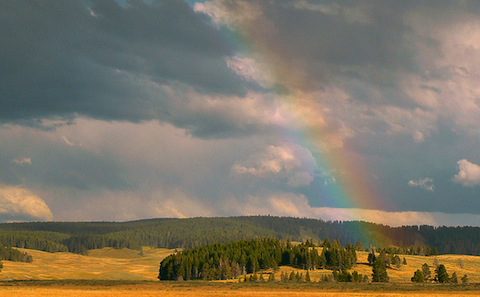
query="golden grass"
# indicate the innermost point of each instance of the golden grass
(126, 264)
(107, 264)
(471, 267)
(150, 290)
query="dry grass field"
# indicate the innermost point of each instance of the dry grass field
(461, 264)
(106, 264)
(125, 264)
(205, 290)
(131, 265)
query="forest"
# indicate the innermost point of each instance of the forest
(227, 261)
(78, 237)
(12, 254)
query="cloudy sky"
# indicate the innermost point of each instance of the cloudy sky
(117, 110)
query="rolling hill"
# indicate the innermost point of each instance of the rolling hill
(78, 237)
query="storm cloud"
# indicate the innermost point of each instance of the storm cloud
(101, 59)
(131, 109)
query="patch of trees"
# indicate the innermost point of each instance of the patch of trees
(11, 254)
(346, 276)
(379, 264)
(226, 261)
(195, 232)
(441, 275)
(40, 240)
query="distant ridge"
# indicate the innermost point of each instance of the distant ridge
(190, 232)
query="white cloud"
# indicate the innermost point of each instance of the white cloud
(288, 204)
(292, 162)
(350, 14)
(23, 161)
(468, 173)
(425, 183)
(17, 202)
(251, 70)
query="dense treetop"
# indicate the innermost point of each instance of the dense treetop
(195, 232)
(226, 261)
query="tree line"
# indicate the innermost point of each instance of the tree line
(195, 232)
(424, 275)
(226, 261)
(12, 254)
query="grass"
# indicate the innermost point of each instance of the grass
(124, 272)
(104, 264)
(461, 264)
(92, 288)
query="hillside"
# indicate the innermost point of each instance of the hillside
(79, 237)
(104, 264)
(126, 264)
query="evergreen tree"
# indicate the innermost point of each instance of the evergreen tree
(356, 277)
(371, 257)
(426, 272)
(454, 278)
(396, 261)
(441, 274)
(418, 277)
(379, 270)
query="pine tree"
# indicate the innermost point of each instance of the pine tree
(454, 278)
(371, 257)
(379, 270)
(418, 277)
(441, 274)
(426, 272)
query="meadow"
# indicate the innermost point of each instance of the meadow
(126, 272)
(215, 289)
(104, 264)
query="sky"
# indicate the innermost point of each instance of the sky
(339, 110)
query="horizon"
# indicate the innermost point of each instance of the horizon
(245, 216)
(332, 110)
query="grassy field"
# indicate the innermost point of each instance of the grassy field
(125, 264)
(106, 264)
(214, 289)
(124, 272)
(461, 264)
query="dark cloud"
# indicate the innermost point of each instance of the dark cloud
(105, 60)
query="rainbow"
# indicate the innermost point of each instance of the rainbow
(309, 123)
